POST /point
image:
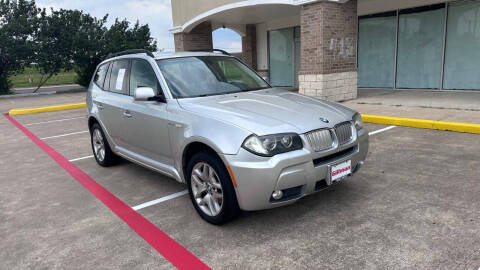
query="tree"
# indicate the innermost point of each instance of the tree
(61, 40)
(54, 42)
(18, 27)
(94, 42)
(88, 46)
(121, 37)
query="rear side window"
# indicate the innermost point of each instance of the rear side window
(99, 78)
(142, 75)
(118, 82)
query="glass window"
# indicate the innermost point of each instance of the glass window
(420, 47)
(208, 75)
(376, 50)
(119, 77)
(281, 51)
(462, 55)
(142, 75)
(99, 78)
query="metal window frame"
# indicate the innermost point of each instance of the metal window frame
(395, 69)
(445, 29)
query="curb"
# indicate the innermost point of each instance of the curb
(47, 109)
(20, 95)
(46, 86)
(27, 95)
(367, 118)
(421, 123)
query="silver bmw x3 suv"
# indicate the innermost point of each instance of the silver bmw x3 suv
(209, 121)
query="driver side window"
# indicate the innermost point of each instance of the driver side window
(142, 75)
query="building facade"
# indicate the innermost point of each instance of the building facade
(329, 49)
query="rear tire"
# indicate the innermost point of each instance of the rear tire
(101, 149)
(211, 189)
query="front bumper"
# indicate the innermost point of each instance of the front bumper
(298, 173)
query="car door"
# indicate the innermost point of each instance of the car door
(147, 124)
(112, 101)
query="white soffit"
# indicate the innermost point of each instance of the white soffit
(238, 12)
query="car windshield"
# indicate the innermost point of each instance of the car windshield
(208, 75)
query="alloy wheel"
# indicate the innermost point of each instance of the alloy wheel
(207, 189)
(98, 145)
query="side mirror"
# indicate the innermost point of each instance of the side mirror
(144, 93)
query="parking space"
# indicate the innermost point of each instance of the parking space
(44, 119)
(131, 183)
(414, 204)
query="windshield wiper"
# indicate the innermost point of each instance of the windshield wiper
(203, 95)
(227, 93)
(256, 89)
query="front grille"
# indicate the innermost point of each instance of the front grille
(334, 157)
(320, 140)
(344, 132)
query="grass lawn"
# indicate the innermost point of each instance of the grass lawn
(31, 77)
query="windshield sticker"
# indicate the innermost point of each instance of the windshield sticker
(121, 75)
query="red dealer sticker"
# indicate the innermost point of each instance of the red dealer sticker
(341, 170)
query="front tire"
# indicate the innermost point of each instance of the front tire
(211, 189)
(101, 149)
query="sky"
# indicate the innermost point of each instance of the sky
(156, 13)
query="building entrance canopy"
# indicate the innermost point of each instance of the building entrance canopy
(237, 15)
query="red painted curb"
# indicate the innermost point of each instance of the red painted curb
(164, 244)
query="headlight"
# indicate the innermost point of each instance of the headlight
(271, 145)
(357, 119)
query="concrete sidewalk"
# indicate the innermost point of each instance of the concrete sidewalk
(452, 106)
(51, 88)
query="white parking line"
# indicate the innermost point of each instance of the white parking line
(64, 135)
(178, 194)
(157, 201)
(82, 158)
(381, 130)
(53, 121)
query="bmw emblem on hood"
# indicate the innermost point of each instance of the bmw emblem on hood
(325, 120)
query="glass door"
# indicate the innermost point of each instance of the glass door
(281, 50)
(376, 50)
(462, 56)
(420, 47)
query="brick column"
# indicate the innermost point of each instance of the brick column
(197, 39)
(249, 46)
(329, 50)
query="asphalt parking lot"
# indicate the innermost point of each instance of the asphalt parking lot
(415, 204)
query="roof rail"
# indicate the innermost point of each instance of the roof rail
(211, 50)
(127, 52)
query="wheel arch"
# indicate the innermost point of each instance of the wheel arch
(91, 121)
(194, 147)
(94, 120)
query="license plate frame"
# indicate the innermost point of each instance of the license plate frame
(340, 171)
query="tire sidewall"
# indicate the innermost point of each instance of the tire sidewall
(109, 156)
(230, 205)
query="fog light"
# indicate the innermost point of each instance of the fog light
(277, 195)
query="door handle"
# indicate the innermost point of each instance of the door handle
(100, 106)
(127, 114)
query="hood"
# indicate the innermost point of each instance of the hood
(269, 111)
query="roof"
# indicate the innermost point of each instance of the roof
(164, 55)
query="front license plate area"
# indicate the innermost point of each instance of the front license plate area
(340, 171)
